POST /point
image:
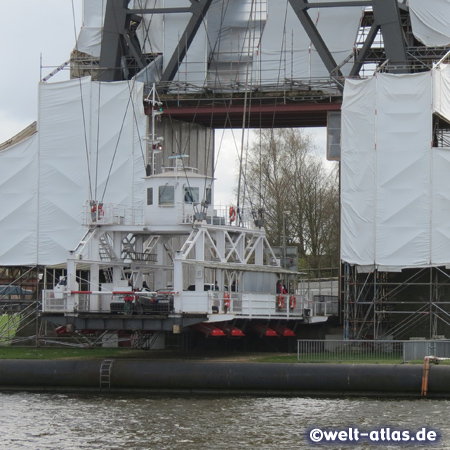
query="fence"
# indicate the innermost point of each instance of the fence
(309, 350)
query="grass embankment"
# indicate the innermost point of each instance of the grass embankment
(8, 327)
(12, 352)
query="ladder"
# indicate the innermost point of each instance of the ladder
(105, 373)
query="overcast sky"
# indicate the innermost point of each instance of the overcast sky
(35, 29)
(29, 29)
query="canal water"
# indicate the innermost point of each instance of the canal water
(41, 421)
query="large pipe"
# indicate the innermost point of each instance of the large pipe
(246, 378)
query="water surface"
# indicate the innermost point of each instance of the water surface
(82, 421)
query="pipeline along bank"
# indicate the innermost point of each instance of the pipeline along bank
(224, 377)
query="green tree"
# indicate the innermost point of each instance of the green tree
(283, 174)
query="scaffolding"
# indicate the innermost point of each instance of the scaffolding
(396, 305)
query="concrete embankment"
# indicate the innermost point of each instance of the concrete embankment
(223, 377)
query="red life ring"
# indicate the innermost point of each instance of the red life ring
(100, 210)
(227, 300)
(292, 302)
(232, 214)
(280, 303)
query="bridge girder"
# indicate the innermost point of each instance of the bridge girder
(120, 42)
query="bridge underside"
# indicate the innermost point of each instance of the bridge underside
(261, 112)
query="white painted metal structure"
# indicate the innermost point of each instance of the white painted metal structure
(182, 245)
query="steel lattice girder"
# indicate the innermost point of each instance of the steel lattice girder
(119, 41)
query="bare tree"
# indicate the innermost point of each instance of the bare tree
(283, 174)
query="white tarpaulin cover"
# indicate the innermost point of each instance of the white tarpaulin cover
(286, 50)
(85, 143)
(19, 194)
(90, 37)
(395, 185)
(430, 21)
(441, 94)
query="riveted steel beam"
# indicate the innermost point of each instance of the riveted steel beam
(364, 51)
(198, 9)
(112, 40)
(387, 17)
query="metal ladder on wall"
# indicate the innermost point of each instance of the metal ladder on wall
(105, 373)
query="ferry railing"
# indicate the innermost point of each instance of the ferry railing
(241, 304)
(319, 308)
(101, 302)
(183, 169)
(111, 214)
(334, 350)
(59, 302)
(54, 301)
(132, 302)
(257, 304)
(223, 216)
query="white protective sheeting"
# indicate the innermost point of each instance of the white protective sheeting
(339, 29)
(403, 144)
(358, 171)
(90, 36)
(19, 194)
(192, 69)
(234, 34)
(150, 31)
(395, 186)
(285, 46)
(441, 95)
(89, 140)
(430, 21)
(286, 51)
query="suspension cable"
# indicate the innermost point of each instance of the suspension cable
(82, 107)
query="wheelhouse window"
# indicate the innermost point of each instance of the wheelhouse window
(191, 195)
(166, 195)
(149, 196)
(208, 196)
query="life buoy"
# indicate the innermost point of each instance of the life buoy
(227, 300)
(100, 211)
(292, 302)
(280, 303)
(232, 214)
